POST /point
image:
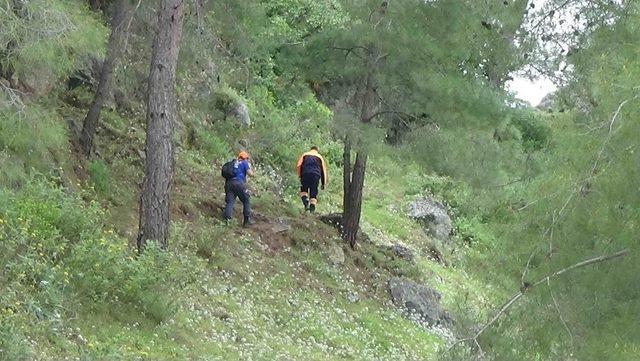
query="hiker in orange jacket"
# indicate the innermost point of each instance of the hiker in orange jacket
(312, 170)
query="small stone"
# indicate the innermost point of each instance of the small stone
(280, 226)
(403, 252)
(353, 298)
(335, 254)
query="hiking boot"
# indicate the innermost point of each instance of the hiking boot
(248, 222)
(305, 202)
(312, 208)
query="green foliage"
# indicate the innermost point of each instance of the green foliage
(525, 189)
(535, 134)
(30, 139)
(49, 39)
(225, 99)
(213, 147)
(99, 173)
(56, 252)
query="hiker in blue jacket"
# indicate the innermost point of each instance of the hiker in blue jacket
(236, 186)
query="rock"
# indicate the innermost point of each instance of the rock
(353, 298)
(332, 219)
(403, 252)
(280, 226)
(335, 254)
(240, 111)
(433, 215)
(420, 300)
(38, 82)
(434, 252)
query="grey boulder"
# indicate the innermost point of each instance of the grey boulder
(433, 215)
(419, 300)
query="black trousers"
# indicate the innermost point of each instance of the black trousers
(235, 189)
(309, 186)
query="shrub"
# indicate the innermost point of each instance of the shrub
(52, 244)
(28, 140)
(99, 173)
(535, 134)
(49, 38)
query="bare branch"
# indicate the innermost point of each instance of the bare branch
(382, 112)
(15, 97)
(544, 279)
(609, 134)
(126, 37)
(555, 303)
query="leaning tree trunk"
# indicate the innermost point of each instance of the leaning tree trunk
(161, 116)
(91, 120)
(353, 207)
(354, 178)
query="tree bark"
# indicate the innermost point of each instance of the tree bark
(95, 4)
(161, 117)
(346, 172)
(93, 116)
(353, 210)
(354, 178)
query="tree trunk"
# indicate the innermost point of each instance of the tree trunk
(93, 116)
(95, 5)
(346, 172)
(161, 116)
(353, 210)
(354, 179)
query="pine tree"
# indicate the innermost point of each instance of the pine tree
(161, 117)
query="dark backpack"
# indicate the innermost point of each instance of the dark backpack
(229, 169)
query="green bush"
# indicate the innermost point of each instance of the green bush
(213, 147)
(535, 134)
(30, 139)
(55, 250)
(99, 173)
(49, 38)
(225, 99)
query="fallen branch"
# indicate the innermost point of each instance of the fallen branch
(528, 287)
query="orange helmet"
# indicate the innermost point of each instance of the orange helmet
(243, 155)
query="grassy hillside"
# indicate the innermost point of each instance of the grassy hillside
(72, 285)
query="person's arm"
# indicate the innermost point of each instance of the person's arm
(249, 170)
(325, 176)
(299, 166)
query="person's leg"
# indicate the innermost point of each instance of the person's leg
(230, 199)
(313, 192)
(243, 195)
(304, 192)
